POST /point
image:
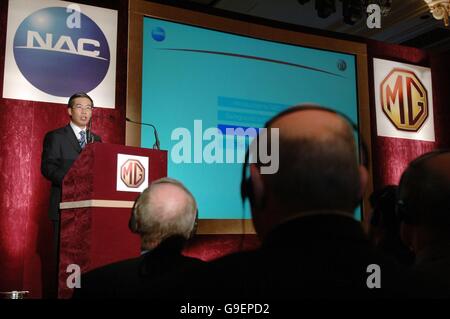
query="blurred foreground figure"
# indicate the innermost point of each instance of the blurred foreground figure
(312, 247)
(424, 209)
(164, 215)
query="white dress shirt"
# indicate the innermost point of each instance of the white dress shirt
(77, 130)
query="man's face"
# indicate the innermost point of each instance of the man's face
(81, 111)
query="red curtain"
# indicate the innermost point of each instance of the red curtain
(25, 230)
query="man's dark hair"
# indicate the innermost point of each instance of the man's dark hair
(76, 95)
(424, 193)
(317, 174)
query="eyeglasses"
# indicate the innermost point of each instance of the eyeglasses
(81, 107)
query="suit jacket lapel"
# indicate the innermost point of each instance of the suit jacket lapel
(72, 138)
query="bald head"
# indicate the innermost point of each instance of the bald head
(317, 125)
(163, 210)
(318, 159)
(168, 201)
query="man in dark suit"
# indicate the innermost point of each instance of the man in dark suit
(312, 247)
(62, 147)
(164, 216)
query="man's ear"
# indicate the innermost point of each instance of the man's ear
(69, 111)
(257, 184)
(363, 180)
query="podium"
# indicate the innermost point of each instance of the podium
(98, 193)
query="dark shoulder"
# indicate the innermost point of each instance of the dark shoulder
(234, 263)
(218, 279)
(59, 131)
(237, 257)
(192, 260)
(114, 268)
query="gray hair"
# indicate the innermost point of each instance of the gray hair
(151, 222)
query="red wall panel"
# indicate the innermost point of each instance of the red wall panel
(25, 230)
(390, 156)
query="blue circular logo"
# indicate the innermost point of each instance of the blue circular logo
(341, 65)
(158, 34)
(57, 59)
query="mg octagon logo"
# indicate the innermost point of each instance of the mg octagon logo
(404, 100)
(132, 173)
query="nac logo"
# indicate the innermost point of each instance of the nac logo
(132, 173)
(158, 34)
(59, 60)
(404, 100)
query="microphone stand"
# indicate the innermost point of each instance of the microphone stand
(156, 145)
(89, 136)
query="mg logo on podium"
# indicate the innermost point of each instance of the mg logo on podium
(132, 173)
(404, 100)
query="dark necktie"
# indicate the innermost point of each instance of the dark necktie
(82, 139)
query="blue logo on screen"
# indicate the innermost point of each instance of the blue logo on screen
(341, 65)
(59, 60)
(158, 34)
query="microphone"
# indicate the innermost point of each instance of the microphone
(156, 145)
(89, 136)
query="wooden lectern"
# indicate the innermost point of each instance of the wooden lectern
(97, 196)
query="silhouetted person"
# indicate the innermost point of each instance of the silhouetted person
(312, 247)
(164, 216)
(424, 208)
(384, 229)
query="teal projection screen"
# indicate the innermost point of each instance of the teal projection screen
(193, 75)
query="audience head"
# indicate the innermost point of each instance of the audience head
(424, 200)
(164, 210)
(318, 168)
